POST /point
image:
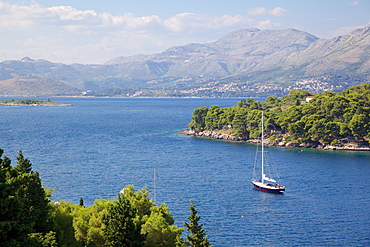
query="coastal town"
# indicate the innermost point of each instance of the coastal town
(313, 85)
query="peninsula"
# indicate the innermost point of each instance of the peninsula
(30, 102)
(334, 121)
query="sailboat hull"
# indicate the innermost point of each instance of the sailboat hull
(268, 187)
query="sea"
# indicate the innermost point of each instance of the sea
(98, 146)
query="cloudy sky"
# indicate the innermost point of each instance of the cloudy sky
(94, 31)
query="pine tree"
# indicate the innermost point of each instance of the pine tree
(24, 215)
(197, 236)
(120, 229)
(23, 164)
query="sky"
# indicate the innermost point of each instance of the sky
(95, 31)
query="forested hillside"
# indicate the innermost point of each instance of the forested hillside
(328, 118)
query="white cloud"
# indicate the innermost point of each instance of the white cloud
(268, 24)
(17, 17)
(354, 3)
(278, 11)
(65, 34)
(190, 22)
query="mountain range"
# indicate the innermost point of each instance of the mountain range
(244, 63)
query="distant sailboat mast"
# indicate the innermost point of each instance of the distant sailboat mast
(262, 150)
(155, 187)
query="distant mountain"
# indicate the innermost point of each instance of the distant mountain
(34, 86)
(246, 62)
(350, 53)
(242, 50)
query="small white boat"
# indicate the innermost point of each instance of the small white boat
(265, 183)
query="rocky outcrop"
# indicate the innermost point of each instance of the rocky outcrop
(349, 146)
(212, 135)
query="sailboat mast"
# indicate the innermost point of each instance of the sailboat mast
(262, 149)
(155, 186)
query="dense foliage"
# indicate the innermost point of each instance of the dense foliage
(28, 218)
(24, 206)
(120, 229)
(132, 220)
(327, 117)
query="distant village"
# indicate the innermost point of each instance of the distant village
(218, 88)
(313, 85)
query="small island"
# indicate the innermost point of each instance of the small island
(30, 102)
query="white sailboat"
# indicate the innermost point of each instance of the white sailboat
(265, 183)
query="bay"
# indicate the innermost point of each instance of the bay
(100, 145)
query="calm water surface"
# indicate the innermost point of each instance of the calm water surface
(100, 145)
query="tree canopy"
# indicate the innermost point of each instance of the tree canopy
(28, 218)
(120, 229)
(24, 205)
(327, 117)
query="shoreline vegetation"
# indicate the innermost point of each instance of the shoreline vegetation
(328, 121)
(31, 102)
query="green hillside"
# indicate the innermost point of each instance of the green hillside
(34, 86)
(327, 119)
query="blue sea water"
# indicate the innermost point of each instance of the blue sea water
(100, 145)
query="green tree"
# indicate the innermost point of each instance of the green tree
(294, 95)
(139, 201)
(197, 236)
(359, 125)
(43, 239)
(23, 164)
(316, 130)
(120, 229)
(88, 222)
(291, 115)
(332, 129)
(239, 122)
(24, 209)
(159, 231)
(271, 102)
(296, 129)
(253, 122)
(156, 222)
(63, 213)
(212, 119)
(198, 118)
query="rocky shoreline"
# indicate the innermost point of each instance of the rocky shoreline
(350, 145)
